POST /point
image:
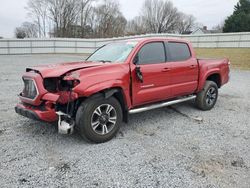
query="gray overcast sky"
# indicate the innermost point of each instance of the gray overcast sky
(207, 12)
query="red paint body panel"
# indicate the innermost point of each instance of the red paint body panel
(51, 97)
(184, 77)
(48, 115)
(56, 70)
(156, 85)
(213, 66)
(161, 81)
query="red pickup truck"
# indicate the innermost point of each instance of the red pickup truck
(121, 78)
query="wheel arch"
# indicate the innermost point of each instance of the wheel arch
(116, 92)
(120, 96)
(215, 77)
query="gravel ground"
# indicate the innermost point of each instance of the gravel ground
(178, 146)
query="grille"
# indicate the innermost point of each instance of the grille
(29, 90)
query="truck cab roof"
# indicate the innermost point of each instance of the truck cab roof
(150, 39)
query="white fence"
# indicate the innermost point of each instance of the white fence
(86, 46)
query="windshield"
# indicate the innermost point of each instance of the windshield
(113, 52)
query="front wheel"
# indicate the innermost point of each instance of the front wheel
(206, 99)
(98, 119)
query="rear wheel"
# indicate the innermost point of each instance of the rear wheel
(98, 119)
(206, 99)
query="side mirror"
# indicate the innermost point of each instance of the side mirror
(136, 59)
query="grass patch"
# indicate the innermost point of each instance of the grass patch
(239, 57)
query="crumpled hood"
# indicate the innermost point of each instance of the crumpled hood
(56, 70)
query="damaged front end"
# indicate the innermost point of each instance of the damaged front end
(50, 100)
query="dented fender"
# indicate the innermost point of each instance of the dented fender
(102, 86)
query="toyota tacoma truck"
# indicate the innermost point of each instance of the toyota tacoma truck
(124, 77)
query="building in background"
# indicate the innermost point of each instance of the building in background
(204, 30)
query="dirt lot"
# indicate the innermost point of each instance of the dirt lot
(178, 146)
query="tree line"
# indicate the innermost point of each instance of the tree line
(239, 21)
(100, 19)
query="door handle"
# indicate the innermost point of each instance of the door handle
(192, 66)
(166, 69)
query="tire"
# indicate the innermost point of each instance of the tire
(99, 119)
(206, 99)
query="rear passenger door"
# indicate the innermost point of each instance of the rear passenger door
(155, 72)
(184, 69)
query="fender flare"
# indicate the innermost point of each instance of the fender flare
(204, 78)
(110, 92)
(109, 89)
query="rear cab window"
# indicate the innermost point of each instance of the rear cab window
(178, 51)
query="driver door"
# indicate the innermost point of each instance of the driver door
(155, 71)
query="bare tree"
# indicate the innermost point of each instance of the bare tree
(64, 15)
(109, 21)
(186, 23)
(38, 10)
(160, 16)
(20, 33)
(62, 18)
(27, 30)
(85, 18)
(30, 29)
(86, 9)
(136, 26)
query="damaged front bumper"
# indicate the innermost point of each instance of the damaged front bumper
(36, 113)
(65, 123)
(42, 102)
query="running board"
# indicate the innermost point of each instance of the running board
(160, 105)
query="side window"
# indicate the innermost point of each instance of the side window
(152, 53)
(178, 51)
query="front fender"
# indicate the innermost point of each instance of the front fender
(101, 86)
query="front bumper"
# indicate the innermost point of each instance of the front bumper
(35, 113)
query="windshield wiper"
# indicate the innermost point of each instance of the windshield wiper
(104, 61)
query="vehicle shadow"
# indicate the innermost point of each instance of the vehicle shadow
(141, 121)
